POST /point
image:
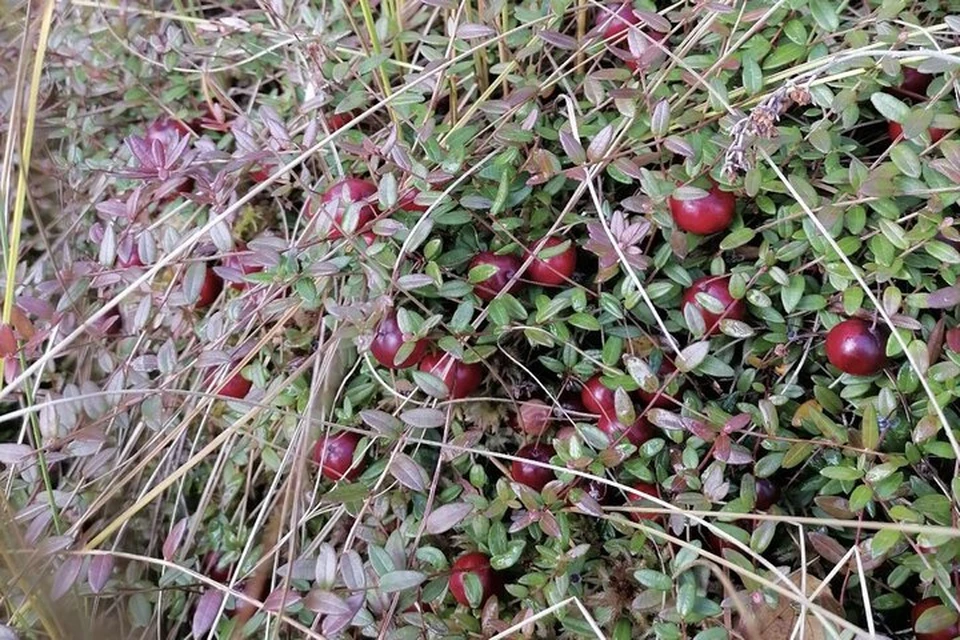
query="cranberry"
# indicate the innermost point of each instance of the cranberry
(262, 173)
(338, 121)
(236, 387)
(570, 402)
(408, 201)
(533, 417)
(212, 568)
(854, 347)
(952, 338)
(914, 83)
(334, 454)
(239, 261)
(598, 398)
(554, 271)
(340, 195)
(637, 433)
(767, 494)
(710, 214)
(647, 489)
(895, 130)
(663, 401)
(166, 131)
(717, 287)
(614, 19)
(129, 256)
(211, 288)
(387, 342)
(949, 632)
(479, 565)
(507, 267)
(461, 378)
(533, 475)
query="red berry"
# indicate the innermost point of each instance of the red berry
(952, 338)
(710, 214)
(533, 417)
(334, 454)
(855, 347)
(598, 398)
(338, 198)
(767, 494)
(461, 378)
(717, 287)
(211, 567)
(948, 632)
(650, 490)
(166, 131)
(614, 19)
(262, 173)
(387, 342)
(533, 475)
(129, 256)
(554, 271)
(211, 288)
(236, 387)
(507, 267)
(663, 401)
(637, 433)
(338, 121)
(895, 130)
(914, 83)
(479, 565)
(408, 201)
(570, 402)
(240, 261)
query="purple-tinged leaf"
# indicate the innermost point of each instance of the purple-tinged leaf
(98, 573)
(737, 423)
(12, 453)
(424, 418)
(559, 40)
(409, 473)
(326, 603)
(600, 144)
(208, 606)
(332, 625)
(447, 517)
(572, 147)
(280, 599)
(945, 298)
(174, 538)
(469, 31)
(65, 576)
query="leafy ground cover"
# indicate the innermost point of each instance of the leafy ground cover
(431, 320)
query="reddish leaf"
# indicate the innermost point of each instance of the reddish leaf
(208, 606)
(98, 573)
(65, 576)
(174, 538)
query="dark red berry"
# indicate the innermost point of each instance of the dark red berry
(663, 401)
(387, 342)
(479, 565)
(614, 19)
(534, 476)
(211, 288)
(710, 214)
(341, 195)
(338, 121)
(128, 255)
(856, 347)
(570, 403)
(637, 433)
(598, 398)
(914, 83)
(507, 267)
(533, 417)
(408, 201)
(718, 288)
(767, 494)
(334, 454)
(166, 131)
(462, 379)
(239, 261)
(949, 631)
(212, 568)
(895, 130)
(650, 490)
(262, 172)
(235, 387)
(556, 270)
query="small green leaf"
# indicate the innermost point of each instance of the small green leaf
(401, 581)
(890, 107)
